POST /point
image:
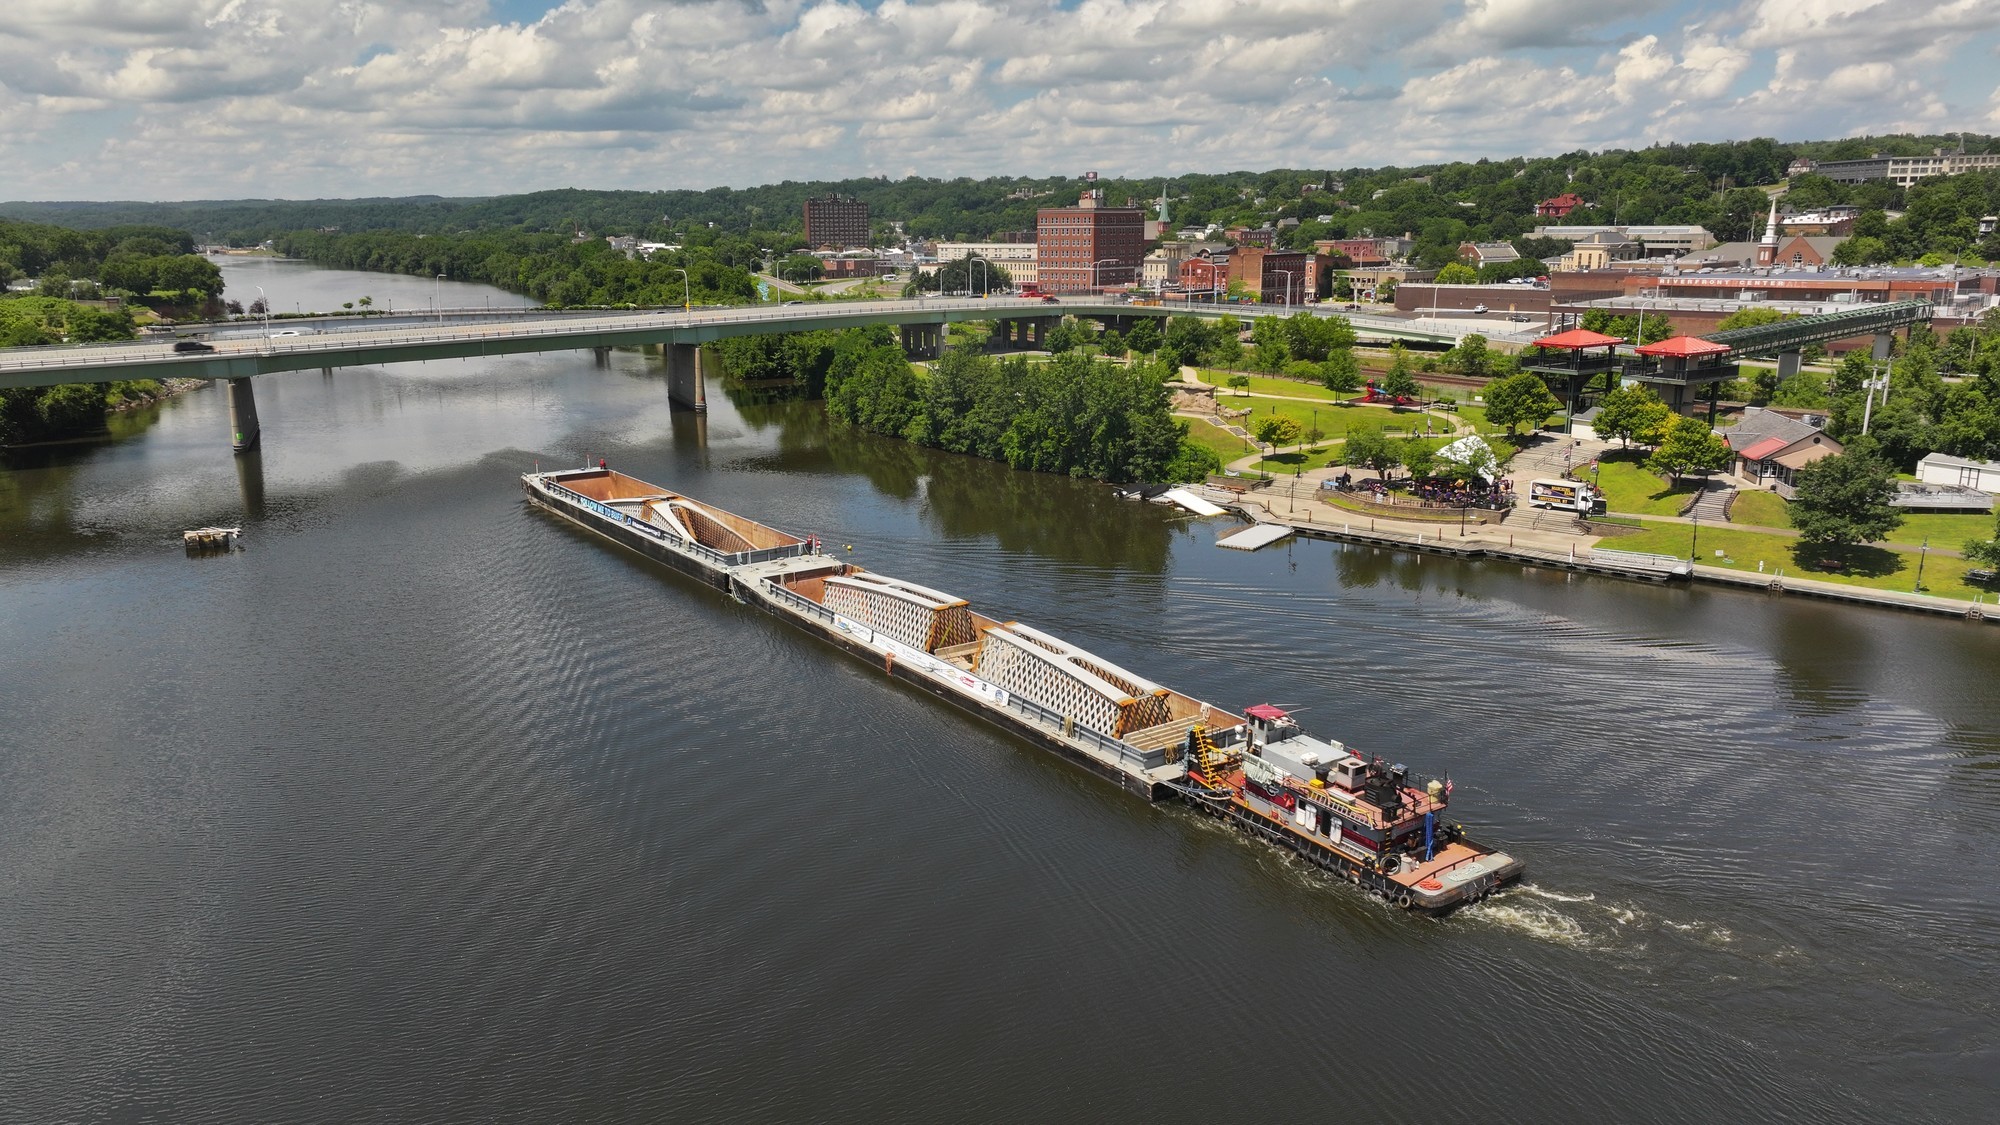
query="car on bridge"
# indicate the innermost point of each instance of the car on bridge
(192, 346)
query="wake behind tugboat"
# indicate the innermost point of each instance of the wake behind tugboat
(1366, 820)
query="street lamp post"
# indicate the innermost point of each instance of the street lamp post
(1288, 288)
(1096, 278)
(1923, 553)
(687, 291)
(437, 298)
(1694, 516)
(264, 304)
(986, 278)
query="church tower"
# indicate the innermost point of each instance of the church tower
(1767, 250)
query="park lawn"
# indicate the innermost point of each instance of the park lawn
(1874, 567)
(1210, 436)
(1303, 461)
(1760, 509)
(1334, 421)
(1291, 388)
(1629, 487)
(1944, 529)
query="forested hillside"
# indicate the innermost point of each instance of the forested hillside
(1440, 204)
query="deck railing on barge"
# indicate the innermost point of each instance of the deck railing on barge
(699, 550)
(799, 601)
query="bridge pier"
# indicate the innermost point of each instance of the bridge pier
(685, 383)
(923, 341)
(1788, 365)
(1883, 341)
(242, 416)
(601, 357)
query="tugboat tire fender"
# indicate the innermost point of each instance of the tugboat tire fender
(1403, 900)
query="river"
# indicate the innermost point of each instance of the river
(425, 806)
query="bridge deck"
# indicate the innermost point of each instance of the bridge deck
(1791, 335)
(362, 344)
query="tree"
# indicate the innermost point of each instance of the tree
(1399, 380)
(1751, 317)
(1519, 400)
(1341, 373)
(1111, 344)
(1368, 447)
(1276, 430)
(1844, 499)
(1688, 446)
(1630, 411)
(1862, 250)
(1145, 337)
(1458, 273)
(1984, 551)
(1470, 356)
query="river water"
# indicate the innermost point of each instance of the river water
(425, 806)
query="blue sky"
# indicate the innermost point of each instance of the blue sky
(299, 98)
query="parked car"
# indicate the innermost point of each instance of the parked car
(192, 346)
(1479, 308)
(1351, 307)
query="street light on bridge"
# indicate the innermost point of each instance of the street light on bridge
(687, 291)
(437, 298)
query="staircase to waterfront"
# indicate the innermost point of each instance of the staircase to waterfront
(1711, 504)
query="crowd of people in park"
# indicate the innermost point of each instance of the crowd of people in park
(1434, 492)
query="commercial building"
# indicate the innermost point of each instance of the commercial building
(1487, 253)
(852, 265)
(1019, 259)
(1089, 246)
(1274, 277)
(1162, 264)
(835, 223)
(1905, 170)
(1658, 241)
(1204, 275)
(1598, 250)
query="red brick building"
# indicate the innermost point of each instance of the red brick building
(1560, 206)
(1089, 246)
(834, 223)
(1276, 277)
(1357, 251)
(1202, 275)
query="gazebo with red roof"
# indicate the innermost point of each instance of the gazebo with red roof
(1580, 368)
(1683, 363)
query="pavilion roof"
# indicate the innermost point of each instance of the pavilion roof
(1685, 346)
(1577, 338)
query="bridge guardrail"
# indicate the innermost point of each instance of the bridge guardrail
(141, 351)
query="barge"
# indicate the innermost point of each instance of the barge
(1365, 820)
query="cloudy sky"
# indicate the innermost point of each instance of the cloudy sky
(182, 99)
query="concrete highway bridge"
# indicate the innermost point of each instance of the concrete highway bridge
(244, 352)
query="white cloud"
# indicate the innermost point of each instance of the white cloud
(307, 97)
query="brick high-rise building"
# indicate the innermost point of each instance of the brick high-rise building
(834, 223)
(1088, 246)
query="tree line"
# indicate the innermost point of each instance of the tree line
(1075, 414)
(1439, 205)
(552, 269)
